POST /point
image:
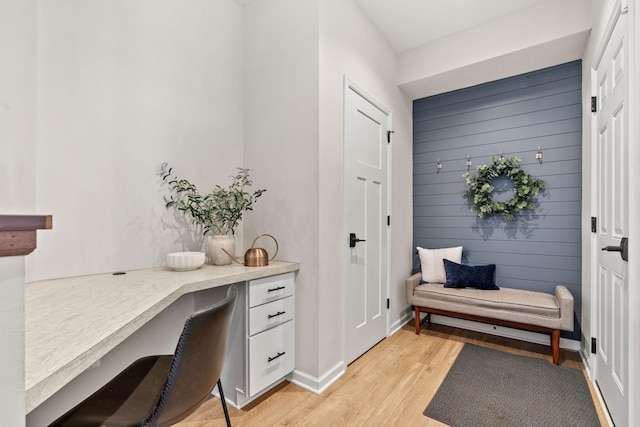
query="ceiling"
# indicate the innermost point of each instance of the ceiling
(407, 24)
(411, 25)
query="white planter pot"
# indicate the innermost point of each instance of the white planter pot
(215, 246)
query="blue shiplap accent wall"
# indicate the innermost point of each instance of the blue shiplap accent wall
(542, 247)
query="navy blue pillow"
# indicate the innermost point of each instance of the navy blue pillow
(463, 276)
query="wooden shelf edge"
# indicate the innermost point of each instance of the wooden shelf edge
(25, 222)
(18, 233)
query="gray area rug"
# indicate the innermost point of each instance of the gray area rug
(491, 388)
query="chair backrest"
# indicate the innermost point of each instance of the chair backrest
(197, 362)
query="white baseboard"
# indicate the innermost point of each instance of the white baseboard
(503, 331)
(587, 361)
(319, 384)
(315, 384)
(405, 317)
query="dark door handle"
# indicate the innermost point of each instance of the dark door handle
(623, 249)
(353, 240)
(280, 313)
(280, 354)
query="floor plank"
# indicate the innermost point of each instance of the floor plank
(390, 385)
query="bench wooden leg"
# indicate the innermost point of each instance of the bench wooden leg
(555, 346)
(555, 333)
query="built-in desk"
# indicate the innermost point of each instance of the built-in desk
(71, 323)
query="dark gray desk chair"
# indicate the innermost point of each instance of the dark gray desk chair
(162, 390)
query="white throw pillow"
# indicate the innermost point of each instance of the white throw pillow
(432, 265)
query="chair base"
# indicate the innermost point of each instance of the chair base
(224, 404)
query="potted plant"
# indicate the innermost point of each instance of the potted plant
(217, 213)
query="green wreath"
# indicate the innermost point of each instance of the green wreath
(480, 188)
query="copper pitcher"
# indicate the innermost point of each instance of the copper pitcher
(256, 257)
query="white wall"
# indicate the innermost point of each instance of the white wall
(544, 34)
(634, 271)
(122, 87)
(17, 186)
(351, 46)
(281, 147)
(297, 54)
(12, 391)
(17, 106)
(94, 96)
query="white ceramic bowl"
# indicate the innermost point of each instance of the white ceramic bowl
(185, 261)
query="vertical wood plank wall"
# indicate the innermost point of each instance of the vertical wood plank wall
(541, 248)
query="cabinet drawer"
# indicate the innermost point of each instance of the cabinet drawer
(269, 289)
(271, 356)
(268, 315)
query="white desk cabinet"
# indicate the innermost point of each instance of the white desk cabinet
(104, 311)
(262, 342)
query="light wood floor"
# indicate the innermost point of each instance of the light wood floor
(390, 385)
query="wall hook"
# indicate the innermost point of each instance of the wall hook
(468, 162)
(539, 154)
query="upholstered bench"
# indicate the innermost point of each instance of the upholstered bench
(516, 308)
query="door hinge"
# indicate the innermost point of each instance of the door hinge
(594, 104)
(594, 224)
(593, 346)
(388, 220)
(389, 132)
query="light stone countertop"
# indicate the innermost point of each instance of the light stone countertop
(71, 323)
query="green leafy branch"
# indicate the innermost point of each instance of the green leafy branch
(219, 211)
(480, 189)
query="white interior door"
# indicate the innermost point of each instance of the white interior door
(366, 208)
(612, 166)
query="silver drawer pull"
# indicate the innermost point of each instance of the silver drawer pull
(275, 289)
(280, 313)
(271, 359)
